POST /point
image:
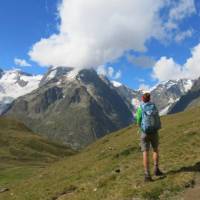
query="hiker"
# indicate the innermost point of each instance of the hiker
(147, 118)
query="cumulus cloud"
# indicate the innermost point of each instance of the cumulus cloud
(183, 35)
(101, 70)
(180, 10)
(141, 80)
(118, 75)
(141, 61)
(144, 87)
(21, 62)
(92, 33)
(109, 72)
(167, 68)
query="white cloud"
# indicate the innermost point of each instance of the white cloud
(192, 65)
(144, 87)
(21, 62)
(167, 68)
(109, 72)
(101, 70)
(118, 75)
(180, 10)
(141, 80)
(94, 32)
(183, 35)
(141, 61)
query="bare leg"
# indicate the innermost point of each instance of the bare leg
(157, 171)
(146, 162)
(156, 158)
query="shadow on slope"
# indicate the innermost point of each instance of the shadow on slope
(192, 168)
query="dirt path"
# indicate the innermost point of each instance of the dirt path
(193, 193)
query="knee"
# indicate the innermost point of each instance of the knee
(155, 151)
(145, 153)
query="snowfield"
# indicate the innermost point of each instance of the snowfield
(14, 84)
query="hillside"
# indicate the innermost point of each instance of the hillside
(111, 168)
(22, 152)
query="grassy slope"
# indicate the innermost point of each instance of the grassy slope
(91, 174)
(22, 152)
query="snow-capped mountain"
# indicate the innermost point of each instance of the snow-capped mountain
(130, 96)
(15, 83)
(169, 92)
(56, 74)
(78, 107)
(190, 99)
(75, 108)
(116, 84)
(164, 95)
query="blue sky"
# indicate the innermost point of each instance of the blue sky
(25, 22)
(22, 24)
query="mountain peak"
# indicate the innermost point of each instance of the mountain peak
(116, 83)
(54, 74)
(15, 83)
(190, 99)
(167, 93)
(66, 74)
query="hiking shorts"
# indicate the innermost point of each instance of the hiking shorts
(148, 140)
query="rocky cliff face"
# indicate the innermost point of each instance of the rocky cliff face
(130, 96)
(190, 99)
(166, 94)
(55, 74)
(75, 110)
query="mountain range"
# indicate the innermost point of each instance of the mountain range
(77, 108)
(164, 95)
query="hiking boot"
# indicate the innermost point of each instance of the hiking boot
(157, 172)
(147, 178)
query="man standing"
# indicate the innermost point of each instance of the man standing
(147, 118)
